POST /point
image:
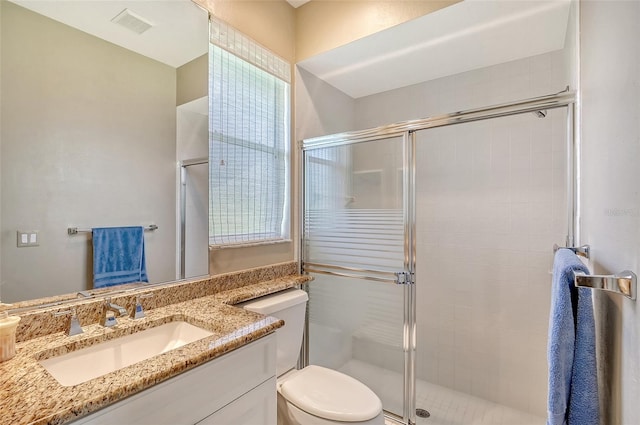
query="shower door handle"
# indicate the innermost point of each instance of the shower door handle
(405, 278)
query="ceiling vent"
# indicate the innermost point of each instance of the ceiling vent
(131, 21)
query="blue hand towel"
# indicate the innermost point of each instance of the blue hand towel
(118, 256)
(573, 383)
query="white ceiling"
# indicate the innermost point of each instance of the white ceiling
(462, 37)
(179, 33)
(297, 3)
(465, 36)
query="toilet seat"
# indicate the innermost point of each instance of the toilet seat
(332, 395)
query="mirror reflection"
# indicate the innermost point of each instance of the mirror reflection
(97, 113)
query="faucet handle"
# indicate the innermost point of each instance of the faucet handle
(74, 323)
(109, 319)
(110, 311)
(138, 311)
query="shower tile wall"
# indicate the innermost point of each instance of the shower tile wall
(535, 76)
(490, 206)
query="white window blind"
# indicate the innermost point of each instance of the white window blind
(249, 110)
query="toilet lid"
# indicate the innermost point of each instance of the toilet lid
(331, 395)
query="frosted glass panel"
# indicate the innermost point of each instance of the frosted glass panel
(353, 206)
(354, 225)
(366, 239)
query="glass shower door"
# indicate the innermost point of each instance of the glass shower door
(356, 246)
(491, 200)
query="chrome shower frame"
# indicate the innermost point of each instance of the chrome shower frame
(183, 211)
(406, 130)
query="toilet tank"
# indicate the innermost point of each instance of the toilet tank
(288, 305)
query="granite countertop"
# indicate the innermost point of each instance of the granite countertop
(30, 395)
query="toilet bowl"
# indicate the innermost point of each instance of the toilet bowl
(313, 395)
(316, 395)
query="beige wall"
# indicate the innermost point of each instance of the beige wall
(269, 22)
(324, 25)
(317, 26)
(192, 80)
(610, 70)
(88, 139)
(321, 109)
(0, 143)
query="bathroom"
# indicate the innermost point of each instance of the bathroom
(605, 77)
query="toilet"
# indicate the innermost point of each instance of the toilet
(314, 395)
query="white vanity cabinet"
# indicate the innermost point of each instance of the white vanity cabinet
(237, 388)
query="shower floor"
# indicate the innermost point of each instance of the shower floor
(446, 406)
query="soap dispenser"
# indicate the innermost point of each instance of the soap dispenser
(8, 325)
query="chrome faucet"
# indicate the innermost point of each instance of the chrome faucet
(138, 311)
(110, 320)
(74, 322)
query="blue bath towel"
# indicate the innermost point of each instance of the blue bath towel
(573, 383)
(118, 256)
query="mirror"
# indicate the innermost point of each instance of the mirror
(91, 134)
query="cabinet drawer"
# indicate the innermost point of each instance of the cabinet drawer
(194, 395)
(257, 407)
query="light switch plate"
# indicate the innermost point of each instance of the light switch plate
(28, 238)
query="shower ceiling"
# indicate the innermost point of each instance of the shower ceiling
(468, 35)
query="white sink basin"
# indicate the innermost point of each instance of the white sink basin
(82, 365)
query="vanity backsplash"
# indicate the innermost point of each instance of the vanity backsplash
(42, 321)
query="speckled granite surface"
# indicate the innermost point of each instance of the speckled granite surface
(30, 395)
(41, 322)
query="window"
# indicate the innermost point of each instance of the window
(249, 125)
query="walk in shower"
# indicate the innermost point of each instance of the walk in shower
(430, 242)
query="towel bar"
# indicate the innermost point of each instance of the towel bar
(624, 283)
(75, 230)
(583, 251)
